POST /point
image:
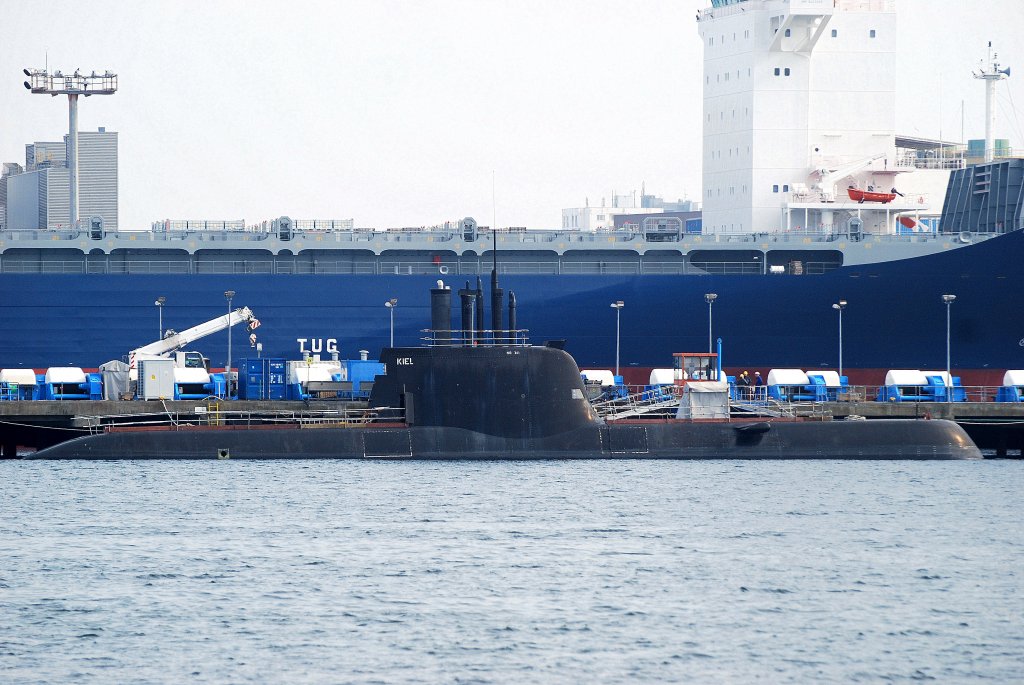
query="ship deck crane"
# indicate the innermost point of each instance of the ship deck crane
(828, 178)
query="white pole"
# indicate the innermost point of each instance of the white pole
(618, 310)
(710, 299)
(948, 299)
(73, 159)
(949, 379)
(990, 119)
(229, 348)
(840, 342)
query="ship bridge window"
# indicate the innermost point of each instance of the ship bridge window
(787, 71)
(835, 33)
(777, 71)
(775, 188)
(788, 33)
(871, 33)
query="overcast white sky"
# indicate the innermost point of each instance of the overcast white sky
(397, 113)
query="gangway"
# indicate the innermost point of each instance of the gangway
(636, 405)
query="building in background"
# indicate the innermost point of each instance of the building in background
(37, 196)
(607, 216)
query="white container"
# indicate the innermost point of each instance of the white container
(62, 375)
(604, 375)
(1014, 378)
(19, 376)
(905, 377)
(787, 377)
(831, 378)
(156, 379)
(662, 377)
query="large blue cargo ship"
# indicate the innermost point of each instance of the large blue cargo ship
(810, 200)
(895, 317)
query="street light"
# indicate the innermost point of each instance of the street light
(948, 299)
(710, 299)
(160, 309)
(617, 306)
(229, 294)
(839, 307)
(391, 304)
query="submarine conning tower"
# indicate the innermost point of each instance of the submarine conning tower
(490, 382)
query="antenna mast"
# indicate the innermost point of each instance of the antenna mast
(990, 73)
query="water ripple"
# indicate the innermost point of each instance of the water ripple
(554, 572)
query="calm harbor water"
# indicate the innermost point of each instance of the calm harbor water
(551, 572)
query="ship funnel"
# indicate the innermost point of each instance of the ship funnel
(468, 298)
(511, 317)
(479, 314)
(497, 297)
(441, 314)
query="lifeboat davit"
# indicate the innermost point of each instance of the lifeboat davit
(869, 195)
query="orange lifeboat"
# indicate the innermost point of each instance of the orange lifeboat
(869, 195)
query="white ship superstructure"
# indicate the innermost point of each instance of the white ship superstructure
(799, 105)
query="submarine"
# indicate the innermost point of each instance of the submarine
(490, 395)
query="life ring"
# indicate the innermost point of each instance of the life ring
(443, 269)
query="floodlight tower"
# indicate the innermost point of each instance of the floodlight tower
(42, 82)
(990, 73)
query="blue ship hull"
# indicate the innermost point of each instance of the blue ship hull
(895, 318)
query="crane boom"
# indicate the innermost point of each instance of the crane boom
(829, 177)
(172, 343)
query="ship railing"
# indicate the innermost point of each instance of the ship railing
(486, 338)
(925, 395)
(662, 401)
(308, 418)
(636, 401)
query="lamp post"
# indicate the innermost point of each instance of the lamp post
(710, 299)
(948, 299)
(160, 316)
(617, 306)
(229, 294)
(391, 304)
(839, 307)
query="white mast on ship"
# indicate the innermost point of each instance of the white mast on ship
(990, 73)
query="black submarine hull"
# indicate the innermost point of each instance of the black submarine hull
(879, 439)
